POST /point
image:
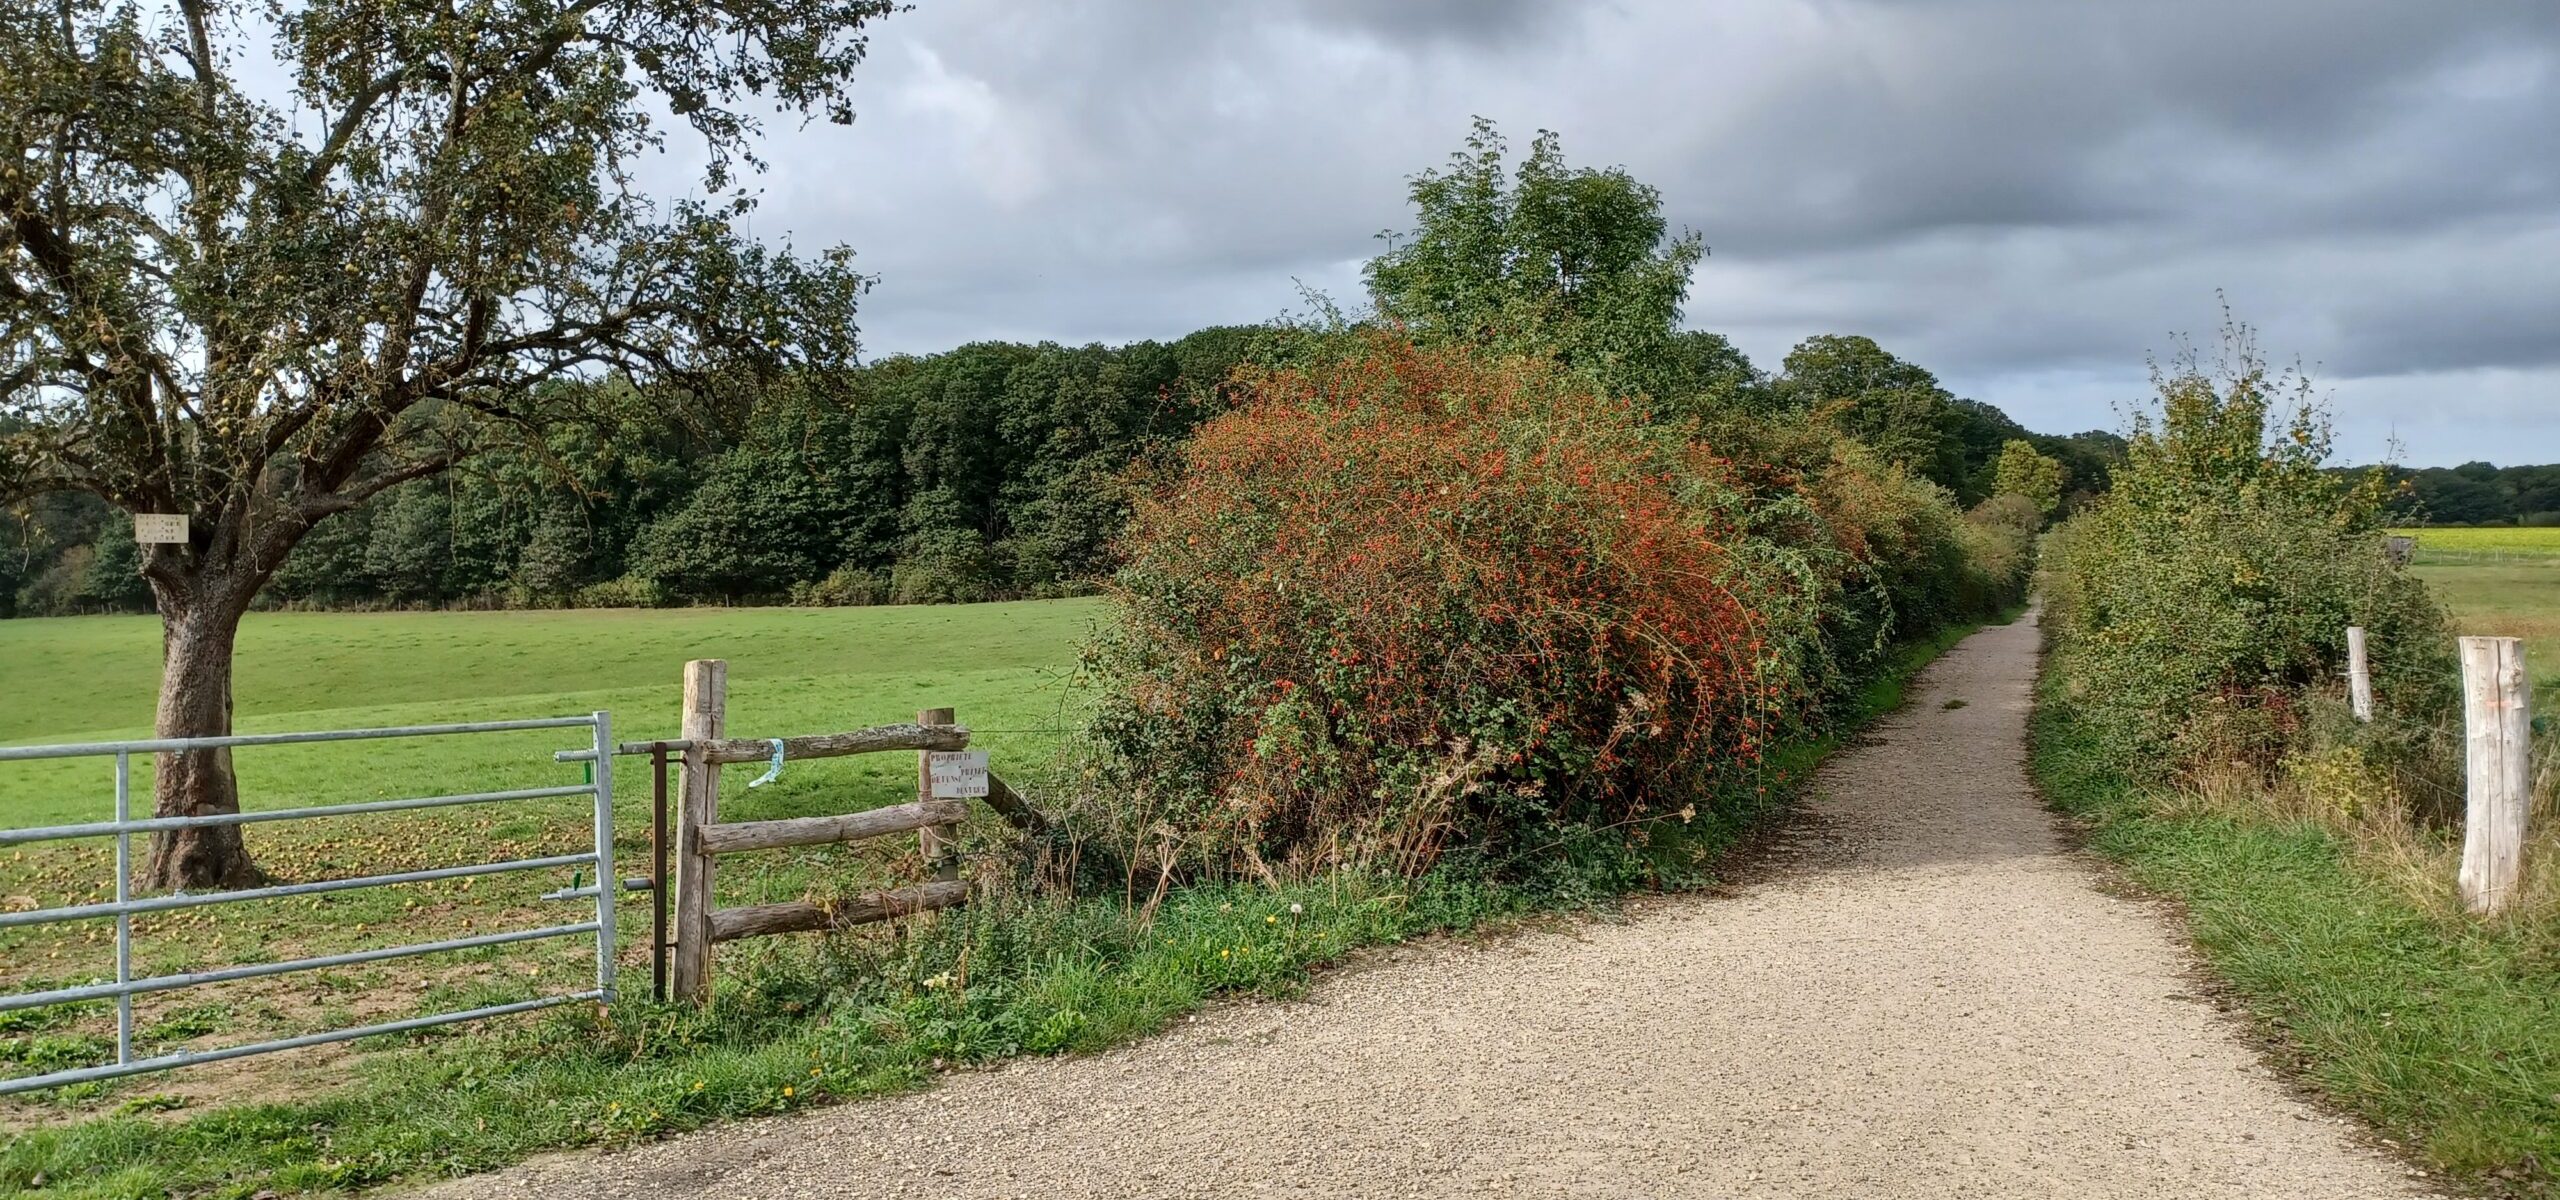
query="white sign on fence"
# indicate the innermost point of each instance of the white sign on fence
(958, 774)
(151, 528)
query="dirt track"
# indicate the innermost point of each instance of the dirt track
(1922, 995)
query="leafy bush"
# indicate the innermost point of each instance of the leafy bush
(844, 587)
(2210, 592)
(630, 591)
(1408, 600)
(1909, 562)
(1999, 538)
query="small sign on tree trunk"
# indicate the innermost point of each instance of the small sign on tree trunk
(959, 774)
(159, 528)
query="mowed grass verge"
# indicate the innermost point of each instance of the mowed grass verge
(2444, 1035)
(1006, 668)
(797, 1021)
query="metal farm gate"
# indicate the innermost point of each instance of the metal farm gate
(599, 751)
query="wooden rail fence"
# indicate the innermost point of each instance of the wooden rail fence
(701, 837)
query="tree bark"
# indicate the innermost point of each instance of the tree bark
(198, 628)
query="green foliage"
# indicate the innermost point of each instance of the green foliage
(844, 586)
(2477, 493)
(1551, 260)
(36, 534)
(763, 518)
(1892, 405)
(1898, 408)
(554, 558)
(2212, 588)
(112, 580)
(2033, 477)
(215, 311)
(628, 591)
(993, 471)
(1909, 563)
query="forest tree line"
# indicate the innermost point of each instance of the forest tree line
(991, 471)
(2477, 493)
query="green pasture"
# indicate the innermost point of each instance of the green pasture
(1007, 669)
(791, 670)
(2500, 582)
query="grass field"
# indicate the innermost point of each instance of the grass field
(2501, 582)
(1006, 668)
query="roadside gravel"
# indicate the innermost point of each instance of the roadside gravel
(1920, 992)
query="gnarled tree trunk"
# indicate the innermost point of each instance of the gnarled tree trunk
(198, 627)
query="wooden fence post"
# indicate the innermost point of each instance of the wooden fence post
(706, 704)
(2497, 732)
(2359, 675)
(938, 842)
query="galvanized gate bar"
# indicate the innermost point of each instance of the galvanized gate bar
(162, 983)
(56, 833)
(169, 1061)
(124, 916)
(605, 876)
(47, 916)
(181, 745)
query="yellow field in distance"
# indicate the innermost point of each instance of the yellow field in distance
(2493, 541)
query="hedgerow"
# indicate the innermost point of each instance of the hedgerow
(1404, 600)
(2207, 597)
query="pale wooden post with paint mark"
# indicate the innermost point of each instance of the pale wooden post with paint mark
(2497, 783)
(2359, 675)
(940, 843)
(706, 703)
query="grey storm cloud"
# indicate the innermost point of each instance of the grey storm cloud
(2027, 196)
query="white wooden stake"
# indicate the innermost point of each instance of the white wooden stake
(2359, 675)
(2497, 730)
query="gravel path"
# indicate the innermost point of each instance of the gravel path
(1920, 994)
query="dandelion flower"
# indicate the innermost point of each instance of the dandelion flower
(787, 1093)
(1272, 919)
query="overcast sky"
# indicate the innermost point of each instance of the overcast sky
(2025, 196)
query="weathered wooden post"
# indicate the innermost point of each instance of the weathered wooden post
(939, 843)
(706, 704)
(2359, 675)
(2497, 732)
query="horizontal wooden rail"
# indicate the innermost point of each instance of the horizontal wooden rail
(1010, 805)
(802, 916)
(817, 831)
(832, 745)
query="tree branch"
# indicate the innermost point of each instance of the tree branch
(341, 499)
(359, 108)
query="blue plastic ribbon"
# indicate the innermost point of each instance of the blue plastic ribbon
(772, 771)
